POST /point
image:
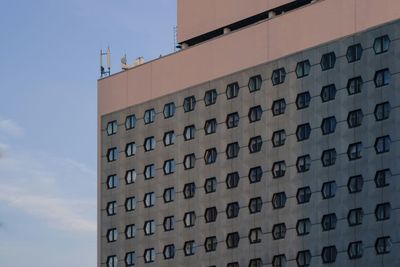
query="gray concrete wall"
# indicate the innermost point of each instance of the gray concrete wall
(367, 166)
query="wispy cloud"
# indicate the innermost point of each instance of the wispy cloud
(10, 128)
(3, 150)
(63, 214)
(49, 188)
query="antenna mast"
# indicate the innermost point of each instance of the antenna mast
(103, 71)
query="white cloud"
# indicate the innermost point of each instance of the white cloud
(10, 128)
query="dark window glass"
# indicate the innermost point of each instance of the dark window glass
(255, 263)
(381, 44)
(255, 144)
(232, 90)
(278, 76)
(328, 93)
(210, 156)
(355, 250)
(382, 144)
(232, 240)
(255, 83)
(210, 97)
(232, 180)
(255, 235)
(303, 258)
(255, 205)
(279, 231)
(382, 178)
(279, 260)
(233, 264)
(355, 184)
(279, 200)
(232, 150)
(382, 78)
(189, 103)
(189, 248)
(210, 185)
(329, 222)
(189, 190)
(278, 107)
(329, 157)
(329, 189)
(303, 226)
(303, 68)
(303, 195)
(255, 113)
(232, 210)
(382, 111)
(328, 125)
(354, 53)
(303, 163)
(354, 151)
(279, 169)
(303, 100)
(382, 211)
(303, 132)
(355, 117)
(383, 245)
(328, 61)
(329, 254)
(279, 138)
(232, 120)
(354, 85)
(169, 110)
(255, 174)
(211, 214)
(210, 244)
(355, 216)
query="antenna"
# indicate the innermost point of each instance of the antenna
(175, 32)
(103, 72)
(124, 63)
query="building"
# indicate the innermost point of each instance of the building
(270, 139)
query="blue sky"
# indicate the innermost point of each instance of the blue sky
(49, 66)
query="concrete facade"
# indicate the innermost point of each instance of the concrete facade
(291, 244)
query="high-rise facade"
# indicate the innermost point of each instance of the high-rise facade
(271, 139)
